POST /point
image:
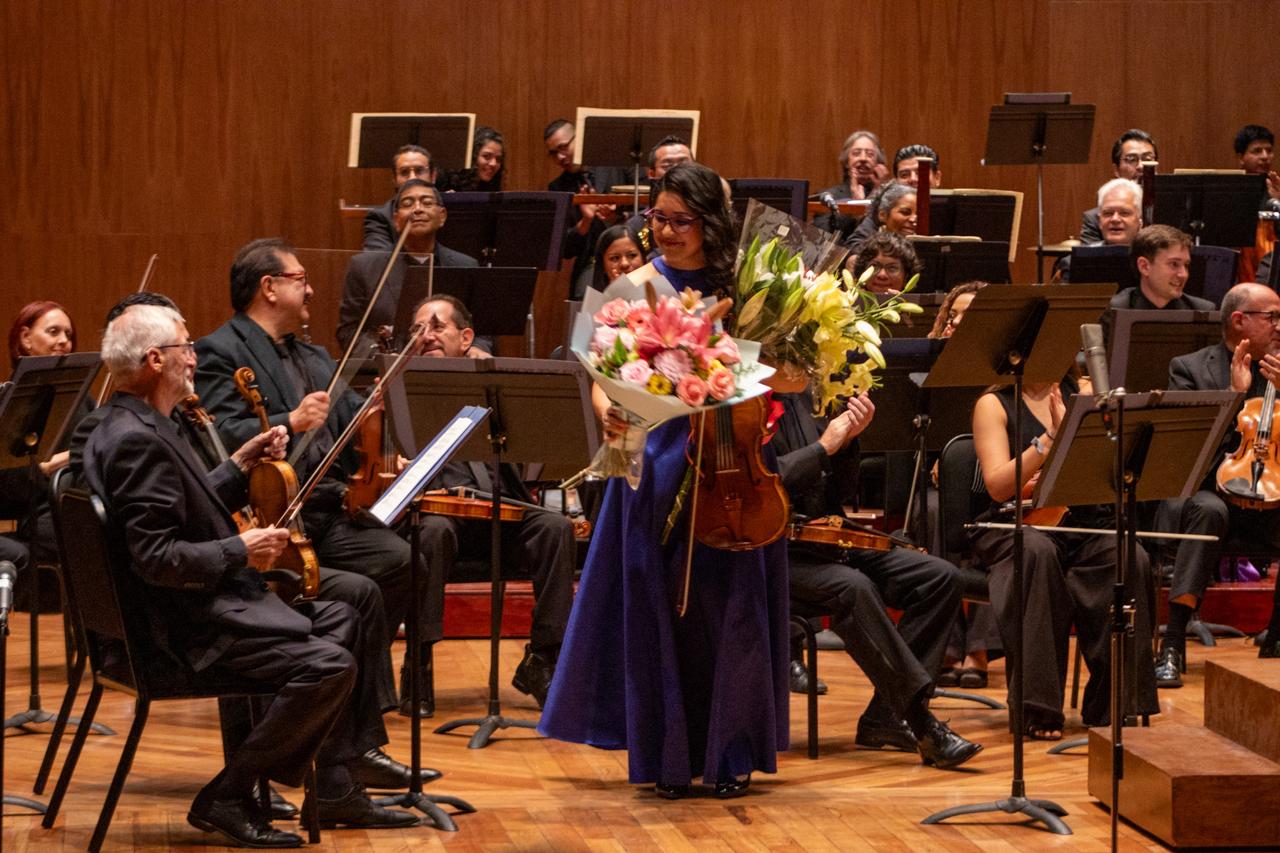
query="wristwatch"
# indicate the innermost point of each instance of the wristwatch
(1040, 448)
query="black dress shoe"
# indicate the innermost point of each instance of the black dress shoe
(1270, 649)
(972, 679)
(876, 734)
(426, 692)
(281, 809)
(357, 811)
(376, 769)
(533, 675)
(239, 824)
(733, 788)
(943, 748)
(1169, 667)
(800, 680)
(671, 792)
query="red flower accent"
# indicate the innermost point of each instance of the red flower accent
(771, 420)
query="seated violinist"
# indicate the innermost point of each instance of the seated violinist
(1130, 151)
(819, 462)
(1245, 361)
(540, 546)
(212, 611)
(410, 162)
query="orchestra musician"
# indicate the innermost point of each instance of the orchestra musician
(618, 252)
(893, 257)
(208, 607)
(488, 164)
(1118, 215)
(410, 162)
(906, 165)
(269, 293)
(1247, 358)
(586, 220)
(705, 694)
(1255, 146)
(819, 462)
(1068, 577)
(1162, 255)
(420, 208)
(1133, 148)
(893, 211)
(540, 546)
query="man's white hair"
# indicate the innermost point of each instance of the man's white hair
(1121, 184)
(129, 336)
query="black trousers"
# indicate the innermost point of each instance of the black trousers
(540, 547)
(900, 662)
(14, 552)
(1206, 512)
(312, 713)
(375, 691)
(1068, 579)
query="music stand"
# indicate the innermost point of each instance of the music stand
(991, 215)
(1035, 129)
(1104, 444)
(37, 412)
(789, 196)
(947, 261)
(551, 403)
(1103, 263)
(1142, 343)
(1216, 209)
(376, 137)
(625, 137)
(512, 229)
(500, 299)
(1020, 332)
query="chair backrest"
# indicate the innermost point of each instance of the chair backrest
(1219, 265)
(960, 499)
(92, 574)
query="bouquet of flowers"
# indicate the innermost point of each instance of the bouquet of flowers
(658, 355)
(817, 316)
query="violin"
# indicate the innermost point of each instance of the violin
(458, 506)
(839, 532)
(1250, 477)
(377, 469)
(739, 504)
(273, 486)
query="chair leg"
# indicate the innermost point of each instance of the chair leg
(811, 664)
(73, 755)
(311, 806)
(1075, 677)
(74, 673)
(122, 771)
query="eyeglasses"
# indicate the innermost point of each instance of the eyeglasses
(189, 346)
(1273, 317)
(562, 148)
(890, 269)
(425, 202)
(300, 277)
(678, 224)
(1135, 159)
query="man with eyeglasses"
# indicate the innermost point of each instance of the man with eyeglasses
(410, 163)
(1162, 255)
(419, 207)
(1130, 151)
(1245, 361)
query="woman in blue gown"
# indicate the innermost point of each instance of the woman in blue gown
(705, 694)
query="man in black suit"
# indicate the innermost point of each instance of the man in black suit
(1162, 255)
(208, 608)
(540, 546)
(420, 208)
(269, 292)
(1246, 360)
(818, 460)
(1130, 151)
(411, 162)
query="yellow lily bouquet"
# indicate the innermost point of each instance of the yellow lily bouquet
(812, 315)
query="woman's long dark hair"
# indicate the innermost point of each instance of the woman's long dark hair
(702, 191)
(608, 237)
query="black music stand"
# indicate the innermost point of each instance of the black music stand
(500, 299)
(623, 138)
(402, 493)
(1104, 444)
(37, 413)
(1020, 332)
(376, 137)
(948, 261)
(550, 401)
(1215, 209)
(1035, 129)
(1142, 343)
(789, 196)
(990, 215)
(511, 229)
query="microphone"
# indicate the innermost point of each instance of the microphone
(830, 201)
(1095, 356)
(7, 574)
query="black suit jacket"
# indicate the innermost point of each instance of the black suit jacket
(1091, 227)
(379, 228)
(816, 483)
(1134, 298)
(240, 342)
(1209, 369)
(182, 542)
(362, 277)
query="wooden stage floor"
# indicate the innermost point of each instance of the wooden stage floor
(536, 794)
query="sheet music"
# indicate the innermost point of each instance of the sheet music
(427, 464)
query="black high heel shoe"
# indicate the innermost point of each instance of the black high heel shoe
(671, 792)
(733, 788)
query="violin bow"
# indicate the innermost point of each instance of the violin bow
(105, 391)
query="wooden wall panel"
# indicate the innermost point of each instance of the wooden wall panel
(187, 128)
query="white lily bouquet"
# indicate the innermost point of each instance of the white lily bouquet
(793, 299)
(658, 355)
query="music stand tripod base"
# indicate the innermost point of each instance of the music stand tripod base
(487, 726)
(1047, 812)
